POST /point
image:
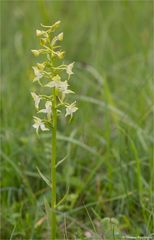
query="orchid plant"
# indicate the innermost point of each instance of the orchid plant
(52, 78)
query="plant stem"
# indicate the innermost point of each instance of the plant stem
(53, 168)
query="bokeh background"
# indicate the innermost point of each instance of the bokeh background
(109, 167)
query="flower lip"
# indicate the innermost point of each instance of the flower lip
(47, 109)
(36, 99)
(38, 74)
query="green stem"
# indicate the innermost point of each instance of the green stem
(53, 168)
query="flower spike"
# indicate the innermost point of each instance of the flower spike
(50, 76)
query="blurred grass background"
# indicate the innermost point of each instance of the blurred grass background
(110, 168)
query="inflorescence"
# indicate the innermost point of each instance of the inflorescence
(51, 74)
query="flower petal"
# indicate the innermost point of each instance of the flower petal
(69, 69)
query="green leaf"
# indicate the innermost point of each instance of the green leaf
(44, 178)
(62, 160)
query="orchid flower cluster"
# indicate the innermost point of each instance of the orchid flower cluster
(51, 74)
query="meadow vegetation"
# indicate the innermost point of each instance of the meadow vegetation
(108, 171)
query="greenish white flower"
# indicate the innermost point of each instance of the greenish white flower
(36, 99)
(47, 109)
(59, 37)
(69, 69)
(39, 124)
(70, 109)
(41, 66)
(56, 78)
(40, 33)
(54, 82)
(60, 54)
(63, 87)
(38, 74)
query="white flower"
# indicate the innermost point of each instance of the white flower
(36, 99)
(69, 69)
(63, 87)
(38, 74)
(54, 82)
(47, 109)
(71, 109)
(39, 124)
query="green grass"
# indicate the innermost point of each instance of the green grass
(109, 145)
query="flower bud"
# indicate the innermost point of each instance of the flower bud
(38, 33)
(60, 36)
(35, 52)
